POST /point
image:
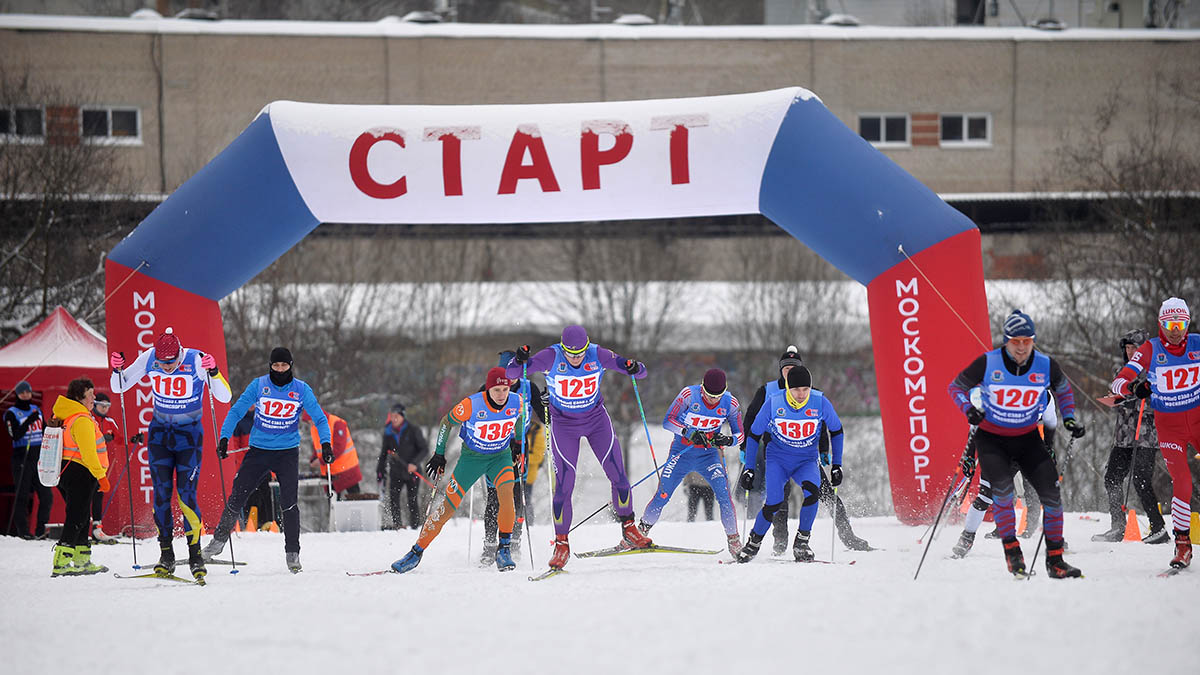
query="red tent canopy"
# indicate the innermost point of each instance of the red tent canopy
(56, 351)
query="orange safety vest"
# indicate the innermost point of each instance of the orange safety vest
(71, 447)
(348, 460)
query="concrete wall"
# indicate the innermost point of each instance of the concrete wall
(1036, 91)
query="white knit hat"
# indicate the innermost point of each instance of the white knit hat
(1174, 309)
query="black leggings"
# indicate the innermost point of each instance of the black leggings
(999, 459)
(1120, 461)
(256, 466)
(77, 486)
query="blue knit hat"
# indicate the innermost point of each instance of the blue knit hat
(22, 387)
(1018, 324)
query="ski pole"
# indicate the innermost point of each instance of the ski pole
(13, 513)
(525, 463)
(470, 521)
(953, 484)
(645, 426)
(212, 410)
(128, 475)
(832, 524)
(332, 496)
(643, 479)
(962, 482)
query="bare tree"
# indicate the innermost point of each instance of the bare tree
(63, 205)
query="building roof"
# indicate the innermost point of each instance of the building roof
(392, 27)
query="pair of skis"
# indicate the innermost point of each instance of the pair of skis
(600, 553)
(198, 581)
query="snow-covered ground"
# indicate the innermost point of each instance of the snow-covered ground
(655, 613)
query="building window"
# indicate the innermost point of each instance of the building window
(111, 125)
(23, 123)
(884, 129)
(966, 129)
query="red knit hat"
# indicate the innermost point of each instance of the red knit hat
(166, 347)
(496, 378)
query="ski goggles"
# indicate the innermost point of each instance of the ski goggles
(575, 352)
(1021, 341)
(169, 364)
(1174, 324)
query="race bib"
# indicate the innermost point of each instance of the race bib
(702, 422)
(494, 431)
(171, 386)
(1015, 398)
(576, 387)
(1174, 379)
(796, 430)
(280, 409)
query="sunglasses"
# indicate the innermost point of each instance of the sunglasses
(1175, 324)
(575, 352)
(1021, 341)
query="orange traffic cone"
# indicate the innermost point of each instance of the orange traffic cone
(252, 520)
(1195, 530)
(271, 527)
(1132, 531)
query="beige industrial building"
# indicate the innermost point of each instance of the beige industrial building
(966, 110)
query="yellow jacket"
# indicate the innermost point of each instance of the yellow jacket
(83, 431)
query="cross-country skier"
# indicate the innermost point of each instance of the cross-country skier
(531, 394)
(754, 496)
(175, 439)
(1135, 444)
(1171, 361)
(789, 424)
(574, 368)
(983, 497)
(1014, 379)
(491, 420)
(695, 417)
(278, 399)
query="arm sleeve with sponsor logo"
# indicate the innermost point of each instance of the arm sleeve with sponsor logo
(735, 421)
(243, 405)
(834, 424)
(672, 420)
(1063, 393)
(1130, 371)
(460, 413)
(968, 378)
(127, 378)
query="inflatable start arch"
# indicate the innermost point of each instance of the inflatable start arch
(779, 153)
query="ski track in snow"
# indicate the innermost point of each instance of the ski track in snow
(660, 613)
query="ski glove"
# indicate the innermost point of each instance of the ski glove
(698, 438)
(1077, 430)
(722, 441)
(746, 482)
(974, 415)
(138, 438)
(835, 475)
(327, 453)
(631, 366)
(436, 465)
(108, 437)
(104, 486)
(116, 360)
(1141, 389)
(967, 465)
(208, 363)
(522, 354)
(223, 448)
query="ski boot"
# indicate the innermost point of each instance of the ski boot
(488, 557)
(1183, 549)
(632, 536)
(63, 557)
(83, 561)
(196, 562)
(1158, 534)
(293, 561)
(644, 527)
(735, 545)
(1013, 556)
(750, 549)
(965, 541)
(1056, 567)
(1115, 533)
(994, 534)
(409, 561)
(503, 555)
(562, 552)
(801, 549)
(166, 559)
(214, 548)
